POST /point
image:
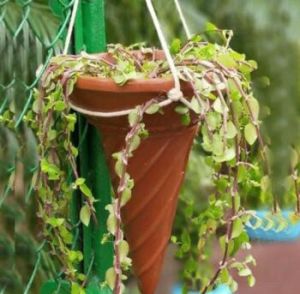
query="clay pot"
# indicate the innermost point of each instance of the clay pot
(157, 167)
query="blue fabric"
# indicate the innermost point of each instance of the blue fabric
(290, 233)
(221, 289)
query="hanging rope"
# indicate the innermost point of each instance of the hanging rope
(71, 26)
(163, 43)
(183, 20)
(174, 95)
(113, 113)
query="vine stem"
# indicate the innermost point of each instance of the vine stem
(234, 193)
(259, 136)
(126, 154)
(267, 167)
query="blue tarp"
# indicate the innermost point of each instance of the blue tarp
(221, 289)
(290, 233)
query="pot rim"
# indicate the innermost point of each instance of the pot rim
(85, 82)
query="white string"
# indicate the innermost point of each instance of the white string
(174, 95)
(183, 20)
(71, 26)
(112, 113)
(163, 43)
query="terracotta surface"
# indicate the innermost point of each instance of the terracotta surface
(157, 166)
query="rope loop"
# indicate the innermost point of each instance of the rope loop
(175, 95)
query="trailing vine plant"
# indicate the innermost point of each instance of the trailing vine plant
(229, 128)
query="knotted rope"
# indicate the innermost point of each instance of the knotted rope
(174, 95)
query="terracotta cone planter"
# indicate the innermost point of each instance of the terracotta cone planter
(157, 167)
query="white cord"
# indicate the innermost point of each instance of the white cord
(183, 20)
(163, 43)
(71, 26)
(112, 113)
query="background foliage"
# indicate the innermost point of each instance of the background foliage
(268, 31)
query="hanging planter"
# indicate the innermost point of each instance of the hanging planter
(147, 125)
(276, 228)
(147, 105)
(157, 167)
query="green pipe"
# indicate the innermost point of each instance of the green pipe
(92, 159)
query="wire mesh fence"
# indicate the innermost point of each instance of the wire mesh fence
(31, 32)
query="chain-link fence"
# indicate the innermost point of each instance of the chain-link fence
(31, 32)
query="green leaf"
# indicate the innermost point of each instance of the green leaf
(250, 133)
(123, 250)
(233, 90)
(251, 281)
(112, 223)
(218, 106)
(175, 46)
(52, 134)
(126, 196)
(231, 130)
(237, 202)
(86, 190)
(75, 256)
(55, 222)
(245, 272)
(66, 235)
(35, 106)
(119, 79)
(254, 106)
(119, 167)
(51, 169)
(76, 289)
(237, 228)
(181, 109)
(110, 277)
(135, 143)
(250, 259)
(153, 108)
(186, 119)
(253, 63)
(186, 241)
(133, 117)
(70, 86)
(196, 38)
(213, 120)
(85, 215)
(59, 106)
(195, 105)
(239, 241)
(218, 145)
(224, 276)
(226, 60)
(79, 181)
(71, 119)
(210, 27)
(228, 155)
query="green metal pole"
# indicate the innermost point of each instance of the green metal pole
(90, 35)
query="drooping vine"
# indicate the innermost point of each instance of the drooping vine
(229, 129)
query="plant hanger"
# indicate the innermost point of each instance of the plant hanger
(174, 95)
